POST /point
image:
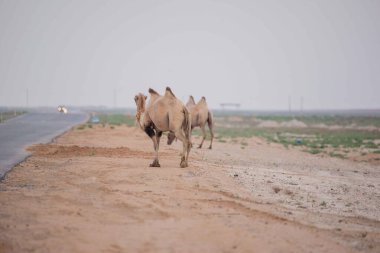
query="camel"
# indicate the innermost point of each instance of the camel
(190, 103)
(200, 115)
(162, 114)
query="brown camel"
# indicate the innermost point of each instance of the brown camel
(164, 113)
(200, 115)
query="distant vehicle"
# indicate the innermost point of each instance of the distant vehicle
(62, 109)
(95, 119)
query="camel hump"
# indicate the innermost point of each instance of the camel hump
(151, 91)
(169, 92)
(190, 101)
(202, 101)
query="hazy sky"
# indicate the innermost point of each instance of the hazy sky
(257, 53)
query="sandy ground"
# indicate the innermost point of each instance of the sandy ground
(91, 190)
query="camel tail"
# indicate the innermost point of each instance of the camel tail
(210, 120)
(186, 126)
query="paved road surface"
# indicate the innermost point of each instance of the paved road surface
(35, 127)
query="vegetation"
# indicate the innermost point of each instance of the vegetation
(117, 119)
(333, 135)
(81, 127)
(310, 137)
(329, 120)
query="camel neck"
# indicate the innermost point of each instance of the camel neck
(140, 115)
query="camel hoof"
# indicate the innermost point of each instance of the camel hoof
(155, 164)
(183, 163)
(199, 146)
(210, 147)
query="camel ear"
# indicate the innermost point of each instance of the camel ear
(145, 97)
(204, 98)
(136, 98)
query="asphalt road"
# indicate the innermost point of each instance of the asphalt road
(35, 127)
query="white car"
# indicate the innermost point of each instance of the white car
(62, 109)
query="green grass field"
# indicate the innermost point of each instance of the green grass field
(327, 119)
(347, 134)
(112, 119)
(116, 119)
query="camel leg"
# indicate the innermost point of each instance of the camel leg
(156, 143)
(212, 135)
(158, 137)
(190, 142)
(203, 136)
(155, 162)
(191, 134)
(153, 135)
(186, 148)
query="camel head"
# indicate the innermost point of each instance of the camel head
(140, 100)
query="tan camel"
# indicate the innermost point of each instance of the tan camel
(164, 113)
(200, 115)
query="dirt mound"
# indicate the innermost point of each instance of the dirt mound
(53, 150)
